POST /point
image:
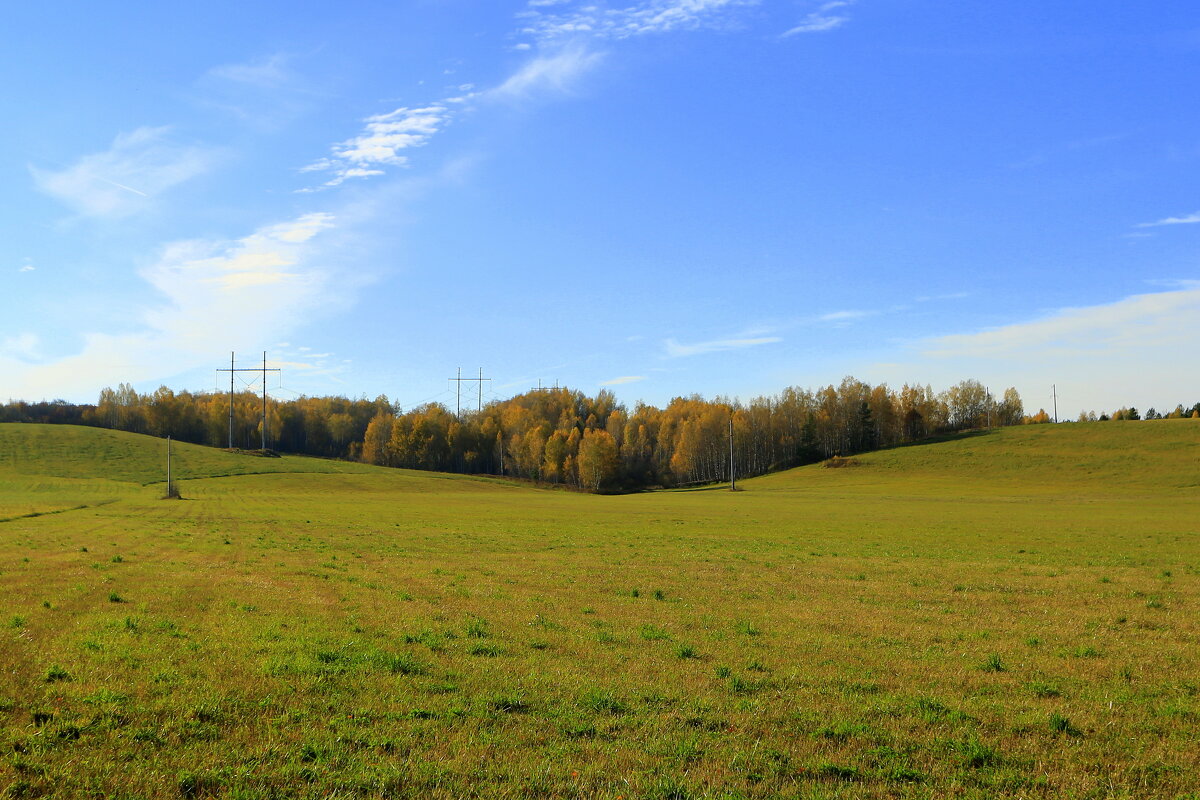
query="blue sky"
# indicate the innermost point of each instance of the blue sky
(659, 197)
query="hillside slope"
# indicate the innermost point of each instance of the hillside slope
(1093, 458)
(71, 451)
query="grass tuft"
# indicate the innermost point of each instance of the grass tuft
(56, 673)
(1062, 725)
(1044, 689)
(993, 663)
(487, 650)
(652, 633)
(977, 755)
(602, 701)
(509, 703)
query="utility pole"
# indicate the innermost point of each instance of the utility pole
(989, 406)
(232, 369)
(230, 399)
(264, 420)
(172, 493)
(732, 477)
(1054, 391)
(458, 395)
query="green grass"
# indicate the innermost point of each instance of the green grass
(930, 622)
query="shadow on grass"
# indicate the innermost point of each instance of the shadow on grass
(942, 438)
(708, 487)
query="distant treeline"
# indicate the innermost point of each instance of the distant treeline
(1179, 412)
(560, 436)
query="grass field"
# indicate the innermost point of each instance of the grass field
(1014, 614)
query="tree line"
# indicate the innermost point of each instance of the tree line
(562, 436)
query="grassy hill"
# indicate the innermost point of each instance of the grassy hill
(1095, 457)
(1005, 615)
(50, 468)
(70, 451)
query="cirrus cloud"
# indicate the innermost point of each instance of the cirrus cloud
(677, 350)
(128, 176)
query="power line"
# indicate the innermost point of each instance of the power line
(459, 382)
(232, 370)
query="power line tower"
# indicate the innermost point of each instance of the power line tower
(458, 395)
(234, 369)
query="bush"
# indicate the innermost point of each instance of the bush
(837, 462)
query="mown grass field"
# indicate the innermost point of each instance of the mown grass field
(1004, 615)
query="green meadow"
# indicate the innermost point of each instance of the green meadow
(1008, 614)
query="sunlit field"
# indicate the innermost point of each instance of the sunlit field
(1009, 614)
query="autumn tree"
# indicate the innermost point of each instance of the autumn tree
(597, 459)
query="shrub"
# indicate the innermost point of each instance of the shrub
(838, 462)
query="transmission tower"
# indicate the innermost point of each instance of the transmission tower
(458, 394)
(233, 369)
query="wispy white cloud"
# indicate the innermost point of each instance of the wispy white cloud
(1137, 323)
(251, 289)
(126, 178)
(385, 138)
(1100, 357)
(1187, 219)
(381, 143)
(827, 17)
(929, 298)
(1175, 283)
(677, 350)
(270, 72)
(556, 72)
(266, 92)
(562, 62)
(623, 380)
(598, 21)
(26, 268)
(304, 360)
(845, 316)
